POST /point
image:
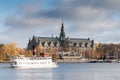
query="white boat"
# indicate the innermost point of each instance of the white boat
(32, 62)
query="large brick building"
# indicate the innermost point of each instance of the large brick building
(62, 43)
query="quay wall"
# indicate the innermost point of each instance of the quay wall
(71, 60)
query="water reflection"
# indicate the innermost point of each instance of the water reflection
(65, 71)
(88, 72)
(34, 74)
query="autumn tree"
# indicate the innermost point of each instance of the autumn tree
(8, 50)
(39, 49)
(25, 52)
(1, 45)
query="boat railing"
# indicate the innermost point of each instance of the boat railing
(38, 58)
(31, 58)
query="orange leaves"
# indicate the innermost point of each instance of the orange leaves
(39, 49)
(25, 52)
(8, 49)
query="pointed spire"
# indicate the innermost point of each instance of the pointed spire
(62, 23)
(29, 39)
(33, 37)
(62, 33)
(52, 35)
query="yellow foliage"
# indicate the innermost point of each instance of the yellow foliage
(8, 49)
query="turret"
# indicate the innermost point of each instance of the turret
(29, 40)
(92, 44)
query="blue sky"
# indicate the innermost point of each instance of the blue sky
(21, 19)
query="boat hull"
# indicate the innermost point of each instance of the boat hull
(35, 62)
(34, 66)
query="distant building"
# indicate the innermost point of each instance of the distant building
(62, 43)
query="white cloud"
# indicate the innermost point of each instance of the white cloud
(82, 18)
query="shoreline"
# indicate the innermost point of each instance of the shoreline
(4, 61)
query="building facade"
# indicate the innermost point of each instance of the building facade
(62, 43)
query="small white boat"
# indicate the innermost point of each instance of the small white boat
(32, 62)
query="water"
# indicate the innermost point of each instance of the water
(65, 71)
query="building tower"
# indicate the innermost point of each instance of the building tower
(62, 33)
